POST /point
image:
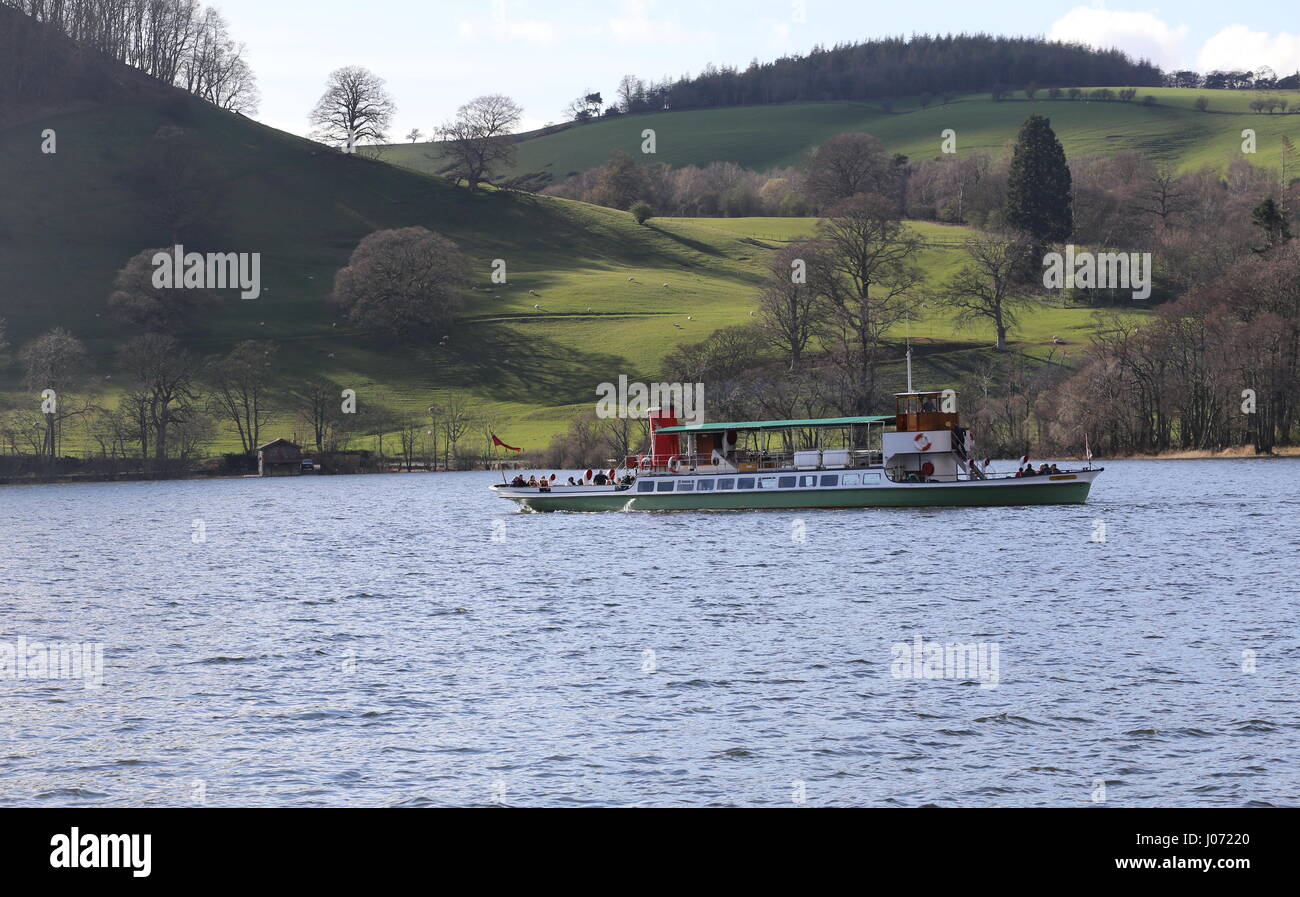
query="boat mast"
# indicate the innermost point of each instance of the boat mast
(909, 366)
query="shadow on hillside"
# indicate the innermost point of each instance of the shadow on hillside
(515, 366)
(697, 245)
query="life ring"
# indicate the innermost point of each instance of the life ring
(920, 438)
(927, 469)
(674, 464)
(912, 478)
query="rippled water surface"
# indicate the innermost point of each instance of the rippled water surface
(409, 640)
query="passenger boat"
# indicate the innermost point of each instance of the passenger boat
(920, 456)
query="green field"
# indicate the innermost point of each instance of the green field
(610, 291)
(763, 137)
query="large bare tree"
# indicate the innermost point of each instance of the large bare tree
(162, 375)
(55, 361)
(870, 284)
(137, 302)
(354, 108)
(849, 164)
(241, 387)
(404, 283)
(477, 143)
(990, 286)
(791, 309)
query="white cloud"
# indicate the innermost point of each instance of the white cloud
(1237, 48)
(1143, 35)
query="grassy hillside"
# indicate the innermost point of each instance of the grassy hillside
(763, 137)
(610, 291)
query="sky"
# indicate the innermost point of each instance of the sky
(437, 54)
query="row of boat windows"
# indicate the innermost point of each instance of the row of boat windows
(803, 481)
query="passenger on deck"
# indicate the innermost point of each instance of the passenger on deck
(571, 482)
(600, 479)
(1042, 469)
(518, 480)
(1053, 469)
(927, 405)
(532, 481)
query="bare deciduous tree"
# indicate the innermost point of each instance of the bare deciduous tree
(354, 108)
(56, 361)
(405, 283)
(136, 301)
(849, 164)
(162, 374)
(241, 386)
(990, 286)
(477, 141)
(870, 285)
(791, 309)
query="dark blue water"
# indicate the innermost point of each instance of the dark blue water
(410, 640)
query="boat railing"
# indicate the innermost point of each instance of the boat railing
(758, 461)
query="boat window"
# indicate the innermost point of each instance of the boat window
(745, 483)
(809, 480)
(831, 480)
(645, 486)
(726, 483)
(850, 479)
(868, 478)
(665, 486)
(685, 485)
(704, 486)
(787, 482)
(767, 482)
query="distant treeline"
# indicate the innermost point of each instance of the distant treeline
(893, 67)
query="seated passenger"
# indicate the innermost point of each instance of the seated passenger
(600, 479)
(532, 481)
(1053, 469)
(1042, 469)
(518, 480)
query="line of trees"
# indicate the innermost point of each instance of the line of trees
(1263, 78)
(174, 404)
(881, 68)
(179, 42)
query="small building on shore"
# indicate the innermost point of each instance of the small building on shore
(279, 457)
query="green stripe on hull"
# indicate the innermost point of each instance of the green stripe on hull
(1065, 493)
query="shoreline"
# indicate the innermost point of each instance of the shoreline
(1236, 453)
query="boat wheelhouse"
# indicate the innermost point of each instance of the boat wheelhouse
(917, 457)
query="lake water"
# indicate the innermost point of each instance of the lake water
(410, 640)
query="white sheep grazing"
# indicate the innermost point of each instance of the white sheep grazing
(690, 318)
(631, 280)
(665, 286)
(678, 326)
(532, 292)
(538, 307)
(588, 309)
